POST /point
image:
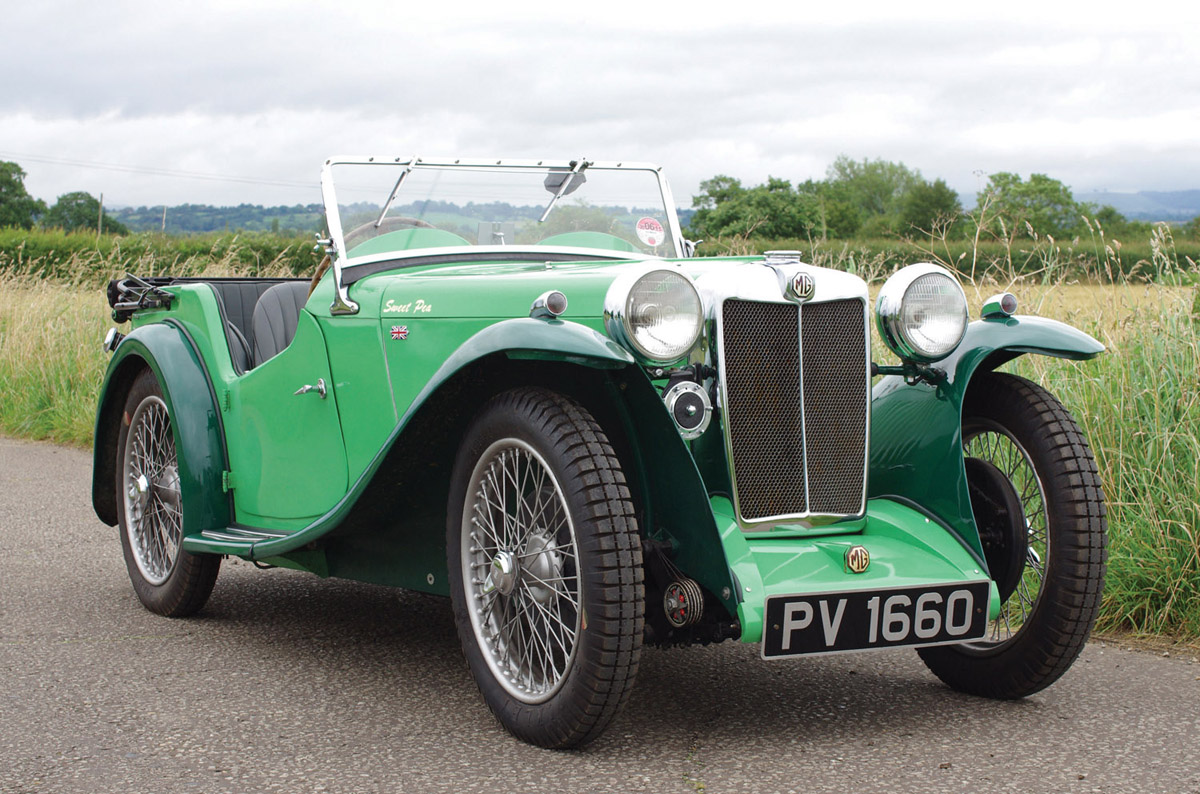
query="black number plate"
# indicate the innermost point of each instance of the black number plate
(857, 620)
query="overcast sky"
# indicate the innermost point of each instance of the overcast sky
(262, 91)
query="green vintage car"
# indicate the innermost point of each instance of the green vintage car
(514, 386)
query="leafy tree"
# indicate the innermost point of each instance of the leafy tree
(1043, 204)
(716, 190)
(17, 207)
(929, 205)
(774, 209)
(838, 215)
(1113, 223)
(875, 187)
(79, 210)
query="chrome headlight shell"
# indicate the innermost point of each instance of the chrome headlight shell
(656, 314)
(922, 312)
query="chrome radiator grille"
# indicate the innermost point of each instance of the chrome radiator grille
(795, 406)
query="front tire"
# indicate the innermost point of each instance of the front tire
(1040, 509)
(545, 568)
(167, 579)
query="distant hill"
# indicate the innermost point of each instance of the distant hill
(1149, 205)
(301, 218)
(198, 218)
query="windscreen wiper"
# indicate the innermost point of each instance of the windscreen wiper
(396, 189)
(573, 179)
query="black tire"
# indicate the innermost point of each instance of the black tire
(1024, 449)
(167, 579)
(555, 640)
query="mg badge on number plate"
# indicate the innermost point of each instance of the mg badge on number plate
(857, 559)
(801, 287)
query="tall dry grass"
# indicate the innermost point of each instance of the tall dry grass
(1139, 403)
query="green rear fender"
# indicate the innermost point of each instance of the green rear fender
(167, 350)
(916, 431)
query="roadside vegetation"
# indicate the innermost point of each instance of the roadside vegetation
(1134, 286)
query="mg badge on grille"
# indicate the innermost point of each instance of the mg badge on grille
(801, 287)
(857, 559)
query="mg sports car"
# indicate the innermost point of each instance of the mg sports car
(514, 384)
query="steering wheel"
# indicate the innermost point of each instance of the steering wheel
(369, 229)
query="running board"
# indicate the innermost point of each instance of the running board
(229, 540)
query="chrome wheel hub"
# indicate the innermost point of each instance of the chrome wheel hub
(139, 492)
(503, 574)
(543, 565)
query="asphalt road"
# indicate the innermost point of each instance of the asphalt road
(290, 683)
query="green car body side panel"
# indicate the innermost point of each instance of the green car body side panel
(916, 431)
(280, 474)
(170, 352)
(566, 341)
(677, 505)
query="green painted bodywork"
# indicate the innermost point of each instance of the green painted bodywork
(170, 352)
(350, 485)
(906, 548)
(916, 431)
(286, 453)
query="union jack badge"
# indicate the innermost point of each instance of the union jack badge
(400, 332)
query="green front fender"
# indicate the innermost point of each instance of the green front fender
(168, 350)
(916, 431)
(528, 338)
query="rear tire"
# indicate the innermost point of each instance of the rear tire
(545, 568)
(167, 579)
(1051, 503)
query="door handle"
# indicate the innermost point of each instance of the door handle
(319, 388)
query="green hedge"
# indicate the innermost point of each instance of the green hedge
(87, 258)
(1152, 257)
(83, 257)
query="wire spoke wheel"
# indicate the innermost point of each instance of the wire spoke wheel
(520, 560)
(151, 491)
(1039, 508)
(167, 579)
(990, 442)
(545, 567)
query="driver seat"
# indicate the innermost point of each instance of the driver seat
(276, 316)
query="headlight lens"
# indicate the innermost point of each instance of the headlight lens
(658, 315)
(922, 312)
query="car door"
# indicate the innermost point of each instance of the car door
(286, 454)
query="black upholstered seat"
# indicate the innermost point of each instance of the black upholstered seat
(276, 316)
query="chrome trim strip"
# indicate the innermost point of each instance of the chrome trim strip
(803, 415)
(539, 255)
(341, 295)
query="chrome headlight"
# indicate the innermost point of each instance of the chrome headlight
(922, 312)
(656, 314)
